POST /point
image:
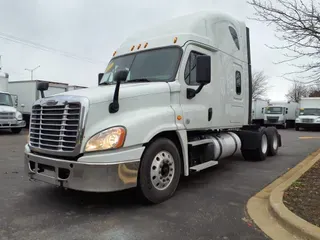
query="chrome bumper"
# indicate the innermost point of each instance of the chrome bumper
(85, 176)
(14, 124)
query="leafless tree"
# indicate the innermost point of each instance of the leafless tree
(259, 84)
(297, 91)
(314, 91)
(297, 24)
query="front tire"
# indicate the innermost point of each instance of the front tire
(160, 171)
(16, 130)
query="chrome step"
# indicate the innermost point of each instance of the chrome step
(200, 142)
(205, 165)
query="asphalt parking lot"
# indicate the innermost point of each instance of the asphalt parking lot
(207, 205)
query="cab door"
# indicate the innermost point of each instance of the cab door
(197, 111)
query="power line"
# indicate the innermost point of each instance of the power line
(48, 49)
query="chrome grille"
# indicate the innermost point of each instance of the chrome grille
(55, 128)
(7, 115)
(307, 120)
(273, 119)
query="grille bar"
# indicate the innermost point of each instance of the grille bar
(55, 128)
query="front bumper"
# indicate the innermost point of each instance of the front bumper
(308, 125)
(268, 123)
(93, 173)
(12, 124)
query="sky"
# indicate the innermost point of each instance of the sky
(75, 39)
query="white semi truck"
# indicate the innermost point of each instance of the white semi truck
(309, 116)
(10, 118)
(281, 114)
(173, 100)
(258, 108)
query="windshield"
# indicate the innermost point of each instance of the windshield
(274, 110)
(5, 99)
(310, 111)
(154, 65)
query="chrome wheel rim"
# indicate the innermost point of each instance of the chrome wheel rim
(162, 170)
(264, 143)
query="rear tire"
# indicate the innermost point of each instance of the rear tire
(160, 171)
(273, 141)
(259, 154)
(16, 130)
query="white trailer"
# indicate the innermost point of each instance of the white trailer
(173, 100)
(258, 107)
(309, 116)
(10, 118)
(281, 114)
(27, 93)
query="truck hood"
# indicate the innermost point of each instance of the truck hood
(127, 90)
(7, 109)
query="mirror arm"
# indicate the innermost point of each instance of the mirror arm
(191, 93)
(42, 94)
(114, 106)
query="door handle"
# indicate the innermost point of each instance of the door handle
(209, 114)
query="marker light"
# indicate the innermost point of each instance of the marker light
(146, 45)
(175, 40)
(132, 48)
(139, 46)
(115, 52)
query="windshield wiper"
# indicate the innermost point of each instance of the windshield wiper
(138, 80)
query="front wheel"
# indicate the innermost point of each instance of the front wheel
(16, 130)
(159, 172)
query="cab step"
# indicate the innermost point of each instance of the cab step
(202, 166)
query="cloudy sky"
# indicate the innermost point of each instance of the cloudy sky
(73, 40)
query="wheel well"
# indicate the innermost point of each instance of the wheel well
(172, 135)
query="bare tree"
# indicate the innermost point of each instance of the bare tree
(259, 84)
(297, 24)
(314, 91)
(297, 91)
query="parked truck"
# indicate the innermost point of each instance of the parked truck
(281, 114)
(173, 100)
(27, 93)
(10, 118)
(309, 115)
(258, 107)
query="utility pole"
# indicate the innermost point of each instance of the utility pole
(31, 71)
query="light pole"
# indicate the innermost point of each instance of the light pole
(31, 71)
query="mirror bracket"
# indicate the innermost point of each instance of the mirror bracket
(191, 93)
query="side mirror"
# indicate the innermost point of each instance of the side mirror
(119, 76)
(22, 105)
(42, 86)
(203, 75)
(100, 76)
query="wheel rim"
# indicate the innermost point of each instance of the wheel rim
(275, 142)
(264, 143)
(162, 170)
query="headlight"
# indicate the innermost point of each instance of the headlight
(18, 115)
(107, 139)
(297, 120)
(318, 120)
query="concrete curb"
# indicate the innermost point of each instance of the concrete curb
(268, 212)
(288, 219)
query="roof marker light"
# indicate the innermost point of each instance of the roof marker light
(132, 48)
(115, 52)
(175, 40)
(146, 45)
(139, 46)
